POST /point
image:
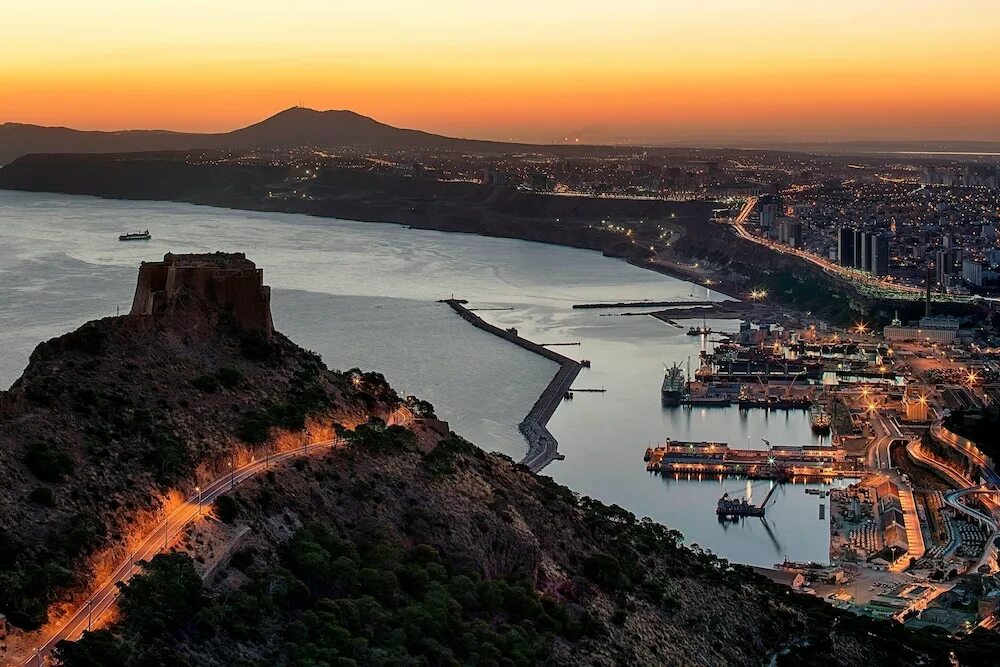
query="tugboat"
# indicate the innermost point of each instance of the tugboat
(135, 236)
(672, 390)
(819, 419)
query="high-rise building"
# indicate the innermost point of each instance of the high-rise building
(790, 231)
(942, 267)
(845, 246)
(972, 272)
(879, 255)
(863, 251)
(770, 208)
(860, 250)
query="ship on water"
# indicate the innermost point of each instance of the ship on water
(820, 419)
(673, 388)
(734, 508)
(135, 236)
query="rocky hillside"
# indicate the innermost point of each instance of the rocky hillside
(114, 422)
(404, 546)
(404, 549)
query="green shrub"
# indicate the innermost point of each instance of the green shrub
(206, 383)
(226, 508)
(88, 338)
(375, 436)
(254, 428)
(256, 347)
(229, 377)
(48, 463)
(42, 495)
(440, 460)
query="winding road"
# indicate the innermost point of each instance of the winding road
(162, 537)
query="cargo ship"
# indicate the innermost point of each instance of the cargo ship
(820, 419)
(135, 236)
(674, 385)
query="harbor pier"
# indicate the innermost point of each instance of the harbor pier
(542, 445)
(780, 462)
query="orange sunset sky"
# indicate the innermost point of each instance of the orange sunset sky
(719, 70)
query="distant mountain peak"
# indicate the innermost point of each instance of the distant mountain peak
(290, 128)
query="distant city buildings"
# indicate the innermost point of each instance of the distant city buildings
(863, 250)
(770, 209)
(930, 328)
(790, 231)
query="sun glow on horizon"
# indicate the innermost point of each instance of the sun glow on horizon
(598, 71)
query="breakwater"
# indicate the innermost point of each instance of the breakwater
(542, 445)
(646, 304)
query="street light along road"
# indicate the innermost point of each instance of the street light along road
(104, 597)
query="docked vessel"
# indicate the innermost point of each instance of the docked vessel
(820, 419)
(135, 236)
(674, 382)
(709, 400)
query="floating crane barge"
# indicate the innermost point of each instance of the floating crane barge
(729, 507)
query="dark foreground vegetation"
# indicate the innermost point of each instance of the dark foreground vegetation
(980, 426)
(338, 601)
(387, 572)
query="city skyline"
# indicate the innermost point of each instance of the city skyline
(556, 72)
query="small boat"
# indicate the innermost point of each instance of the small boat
(135, 236)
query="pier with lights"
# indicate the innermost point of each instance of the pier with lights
(777, 462)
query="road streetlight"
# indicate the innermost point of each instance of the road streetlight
(198, 490)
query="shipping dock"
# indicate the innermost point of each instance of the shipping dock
(778, 462)
(733, 362)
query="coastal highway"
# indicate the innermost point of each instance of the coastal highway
(889, 289)
(969, 449)
(160, 538)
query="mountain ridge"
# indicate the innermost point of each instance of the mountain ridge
(289, 128)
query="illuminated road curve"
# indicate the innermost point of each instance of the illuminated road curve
(951, 499)
(969, 450)
(160, 539)
(892, 289)
(988, 556)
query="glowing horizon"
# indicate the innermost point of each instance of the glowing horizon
(722, 70)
